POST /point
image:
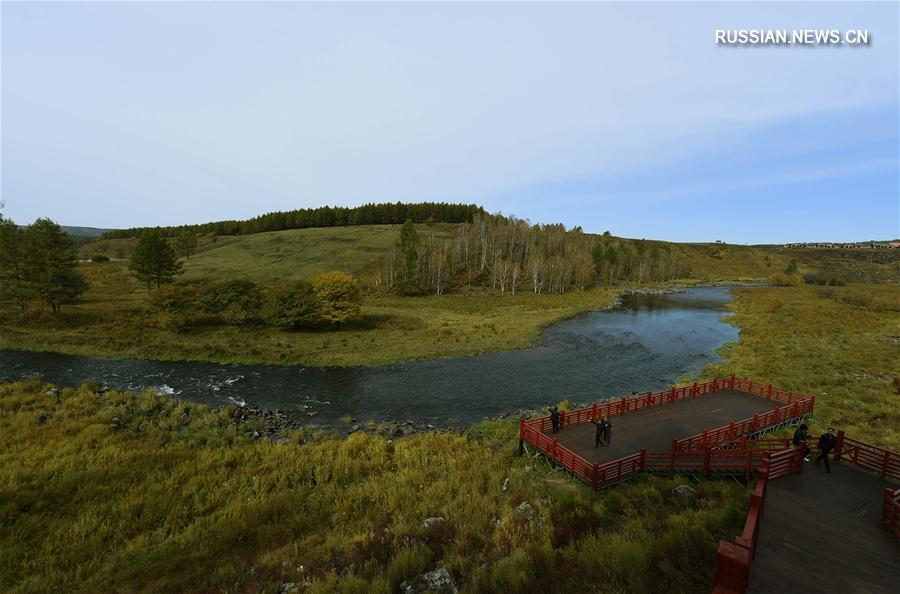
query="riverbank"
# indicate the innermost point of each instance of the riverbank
(112, 323)
(839, 344)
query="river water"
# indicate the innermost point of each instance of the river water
(644, 344)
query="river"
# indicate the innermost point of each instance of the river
(644, 344)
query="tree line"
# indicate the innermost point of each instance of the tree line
(37, 266)
(513, 255)
(326, 216)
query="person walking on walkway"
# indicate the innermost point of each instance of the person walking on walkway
(800, 436)
(826, 443)
(554, 419)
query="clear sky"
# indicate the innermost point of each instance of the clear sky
(620, 117)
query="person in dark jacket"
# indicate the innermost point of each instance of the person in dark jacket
(800, 436)
(826, 443)
(607, 431)
(598, 437)
(554, 419)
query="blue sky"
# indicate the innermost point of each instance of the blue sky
(620, 117)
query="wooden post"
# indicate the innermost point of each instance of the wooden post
(562, 419)
(732, 567)
(643, 459)
(649, 399)
(674, 445)
(694, 389)
(839, 445)
(731, 382)
(521, 435)
(731, 430)
(884, 464)
(594, 412)
(769, 392)
(553, 449)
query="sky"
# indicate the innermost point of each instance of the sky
(624, 117)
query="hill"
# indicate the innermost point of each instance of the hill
(361, 251)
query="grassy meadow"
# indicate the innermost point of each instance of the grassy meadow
(839, 344)
(111, 320)
(112, 493)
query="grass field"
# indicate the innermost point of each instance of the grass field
(840, 344)
(120, 494)
(111, 321)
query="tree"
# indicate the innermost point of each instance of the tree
(48, 265)
(293, 306)
(235, 301)
(153, 259)
(409, 252)
(12, 282)
(339, 295)
(186, 242)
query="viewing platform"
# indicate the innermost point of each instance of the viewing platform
(669, 430)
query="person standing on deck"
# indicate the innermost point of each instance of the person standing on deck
(607, 431)
(554, 419)
(826, 444)
(598, 438)
(800, 436)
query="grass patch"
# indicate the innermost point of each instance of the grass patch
(112, 323)
(114, 493)
(840, 344)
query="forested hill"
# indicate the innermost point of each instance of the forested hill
(326, 216)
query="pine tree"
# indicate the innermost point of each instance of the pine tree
(186, 242)
(12, 282)
(48, 265)
(153, 259)
(409, 251)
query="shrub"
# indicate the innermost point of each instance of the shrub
(782, 279)
(237, 302)
(834, 279)
(99, 258)
(176, 306)
(339, 295)
(293, 306)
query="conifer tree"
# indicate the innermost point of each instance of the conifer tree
(153, 259)
(48, 265)
(186, 241)
(12, 282)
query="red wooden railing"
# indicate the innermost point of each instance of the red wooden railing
(597, 475)
(632, 403)
(734, 558)
(890, 513)
(884, 462)
(733, 561)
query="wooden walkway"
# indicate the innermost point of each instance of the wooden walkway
(654, 428)
(823, 533)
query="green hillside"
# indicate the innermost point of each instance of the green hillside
(361, 251)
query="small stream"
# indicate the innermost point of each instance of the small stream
(644, 344)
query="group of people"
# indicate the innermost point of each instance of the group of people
(827, 442)
(604, 428)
